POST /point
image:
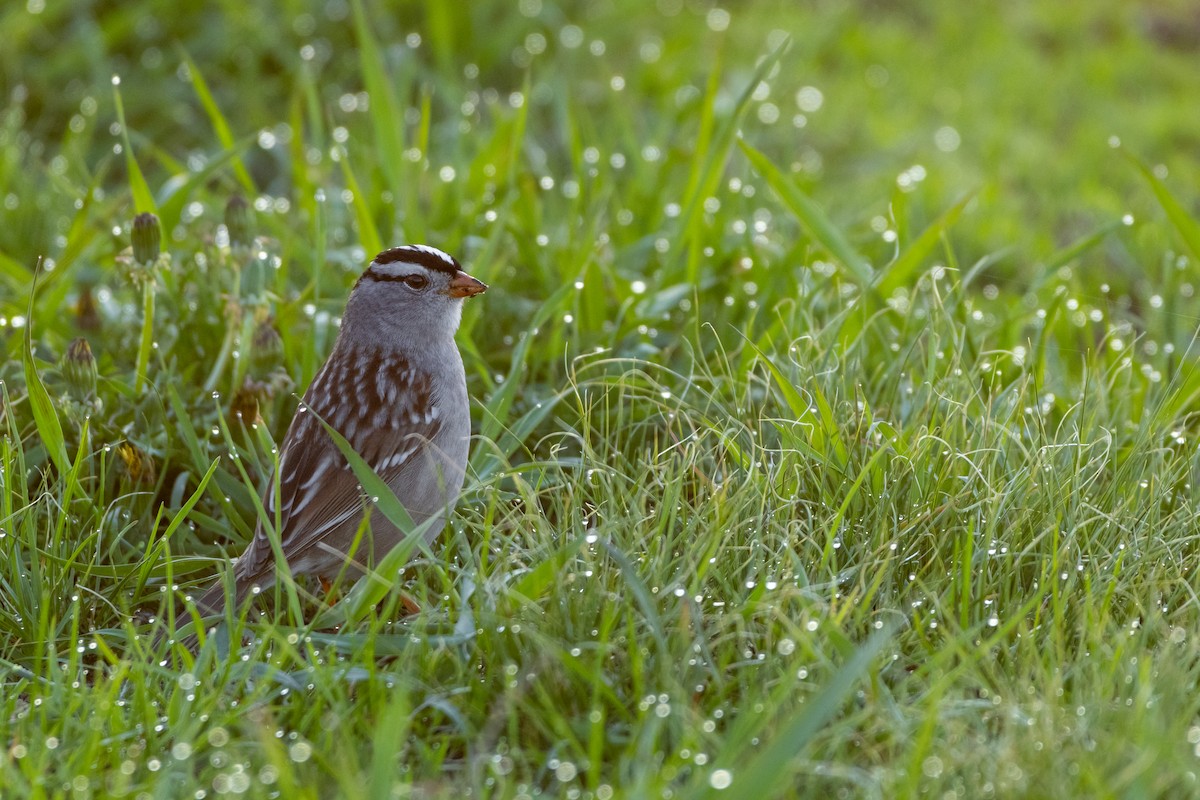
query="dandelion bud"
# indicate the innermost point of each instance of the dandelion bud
(147, 238)
(239, 221)
(139, 465)
(244, 407)
(87, 315)
(79, 368)
(265, 348)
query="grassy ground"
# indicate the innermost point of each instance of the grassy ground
(835, 397)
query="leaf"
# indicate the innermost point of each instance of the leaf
(501, 400)
(537, 582)
(391, 735)
(178, 190)
(368, 234)
(45, 416)
(703, 182)
(821, 423)
(186, 508)
(151, 565)
(1082, 245)
(373, 587)
(219, 123)
(485, 461)
(143, 198)
(811, 216)
(901, 271)
(1188, 228)
(387, 119)
(640, 594)
(762, 771)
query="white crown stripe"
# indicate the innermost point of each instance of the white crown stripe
(417, 255)
(433, 251)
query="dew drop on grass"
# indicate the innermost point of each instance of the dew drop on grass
(720, 779)
(300, 752)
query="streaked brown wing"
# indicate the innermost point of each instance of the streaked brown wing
(383, 408)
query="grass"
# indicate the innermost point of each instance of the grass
(835, 398)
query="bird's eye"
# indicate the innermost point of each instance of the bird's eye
(416, 281)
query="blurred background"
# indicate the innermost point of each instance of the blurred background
(931, 99)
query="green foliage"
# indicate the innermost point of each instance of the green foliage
(834, 397)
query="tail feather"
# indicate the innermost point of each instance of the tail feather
(212, 604)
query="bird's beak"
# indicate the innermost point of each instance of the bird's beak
(463, 285)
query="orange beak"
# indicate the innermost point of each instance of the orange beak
(463, 285)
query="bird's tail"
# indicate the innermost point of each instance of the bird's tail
(209, 605)
(212, 602)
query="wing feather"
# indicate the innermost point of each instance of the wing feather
(383, 406)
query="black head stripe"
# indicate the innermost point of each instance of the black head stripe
(418, 254)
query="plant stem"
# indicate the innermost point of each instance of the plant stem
(143, 361)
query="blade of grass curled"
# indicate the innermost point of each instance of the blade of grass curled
(501, 400)
(824, 429)
(901, 271)
(486, 461)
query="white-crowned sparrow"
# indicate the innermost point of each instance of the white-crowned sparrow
(394, 387)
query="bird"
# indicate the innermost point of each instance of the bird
(394, 387)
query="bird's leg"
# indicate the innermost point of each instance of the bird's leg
(328, 589)
(411, 608)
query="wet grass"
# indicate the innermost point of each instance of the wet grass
(835, 399)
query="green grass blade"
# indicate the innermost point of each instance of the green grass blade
(368, 234)
(1085, 243)
(143, 198)
(370, 590)
(44, 413)
(391, 734)
(1188, 228)
(812, 217)
(219, 123)
(764, 771)
(178, 191)
(704, 180)
(387, 119)
(902, 271)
